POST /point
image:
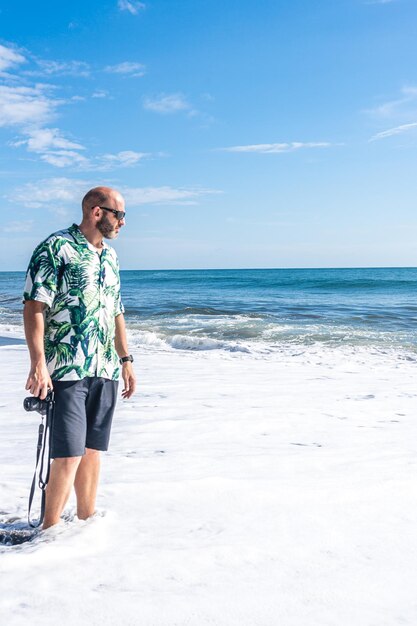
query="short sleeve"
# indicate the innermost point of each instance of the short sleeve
(119, 305)
(119, 308)
(41, 276)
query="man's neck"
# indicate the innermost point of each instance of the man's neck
(93, 235)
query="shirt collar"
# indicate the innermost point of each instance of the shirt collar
(81, 238)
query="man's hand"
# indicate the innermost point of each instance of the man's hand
(128, 379)
(39, 381)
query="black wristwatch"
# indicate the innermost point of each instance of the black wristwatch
(124, 359)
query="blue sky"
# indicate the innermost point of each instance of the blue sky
(242, 134)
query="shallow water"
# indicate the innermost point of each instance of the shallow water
(258, 310)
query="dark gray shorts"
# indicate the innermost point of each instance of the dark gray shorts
(83, 415)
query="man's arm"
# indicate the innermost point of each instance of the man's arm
(120, 342)
(38, 380)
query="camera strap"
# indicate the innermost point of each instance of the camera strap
(44, 442)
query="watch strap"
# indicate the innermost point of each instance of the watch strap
(125, 359)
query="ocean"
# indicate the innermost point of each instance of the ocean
(260, 474)
(257, 311)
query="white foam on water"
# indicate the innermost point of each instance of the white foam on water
(13, 330)
(238, 490)
(189, 342)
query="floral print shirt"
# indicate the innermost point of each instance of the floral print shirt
(81, 288)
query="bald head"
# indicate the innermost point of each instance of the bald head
(103, 214)
(100, 196)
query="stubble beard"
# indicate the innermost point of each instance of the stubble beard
(106, 228)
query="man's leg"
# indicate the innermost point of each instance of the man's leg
(59, 487)
(99, 406)
(86, 481)
(67, 446)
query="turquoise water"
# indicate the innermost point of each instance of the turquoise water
(238, 309)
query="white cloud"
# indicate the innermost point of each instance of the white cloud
(23, 226)
(273, 148)
(63, 191)
(61, 68)
(136, 196)
(29, 109)
(410, 91)
(60, 193)
(100, 94)
(126, 158)
(25, 105)
(64, 158)
(51, 191)
(399, 106)
(9, 57)
(59, 151)
(132, 6)
(398, 130)
(127, 67)
(43, 139)
(52, 147)
(167, 103)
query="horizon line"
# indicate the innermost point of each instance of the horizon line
(223, 269)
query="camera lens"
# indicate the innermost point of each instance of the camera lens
(32, 404)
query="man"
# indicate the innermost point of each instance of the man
(75, 331)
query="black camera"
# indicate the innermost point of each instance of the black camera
(36, 404)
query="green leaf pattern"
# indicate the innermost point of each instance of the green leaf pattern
(81, 289)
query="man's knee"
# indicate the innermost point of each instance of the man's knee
(68, 463)
(91, 451)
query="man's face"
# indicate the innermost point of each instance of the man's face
(108, 224)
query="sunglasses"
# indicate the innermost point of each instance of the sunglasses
(120, 215)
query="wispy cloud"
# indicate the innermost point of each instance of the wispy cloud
(100, 93)
(127, 68)
(274, 148)
(50, 68)
(132, 6)
(399, 112)
(65, 158)
(50, 192)
(9, 58)
(30, 110)
(25, 105)
(167, 103)
(52, 147)
(64, 191)
(380, 1)
(23, 226)
(44, 139)
(55, 149)
(125, 158)
(398, 130)
(164, 195)
(397, 106)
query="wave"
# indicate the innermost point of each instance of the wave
(205, 311)
(339, 285)
(185, 342)
(272, 339)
